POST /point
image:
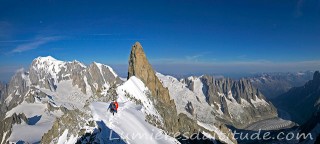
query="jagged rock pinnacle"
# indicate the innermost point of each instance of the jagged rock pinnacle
(140, 67)
(138, 63)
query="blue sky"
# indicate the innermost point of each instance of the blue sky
(179, 37)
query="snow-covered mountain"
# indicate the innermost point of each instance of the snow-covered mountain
(235, 103)
(67, 102)
(48, 90)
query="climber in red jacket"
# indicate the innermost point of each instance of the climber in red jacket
(113, 107)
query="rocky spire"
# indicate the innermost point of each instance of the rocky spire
(173, 122)
(137, 59)
(140, 67)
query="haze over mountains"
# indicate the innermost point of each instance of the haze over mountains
(275, 84)
(66, 102)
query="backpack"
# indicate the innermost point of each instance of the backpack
(116, 104)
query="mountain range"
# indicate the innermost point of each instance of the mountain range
(67, 102)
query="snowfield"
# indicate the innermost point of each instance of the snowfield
(130, 124)
(40, 121)
(67, 95)
(136, 90)
(182, 96)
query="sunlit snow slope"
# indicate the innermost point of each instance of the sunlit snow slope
(130, 123)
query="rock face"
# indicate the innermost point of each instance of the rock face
(140, 67)
(239, 102)
(3, 93)
(2, 88)
(71, 121)
(301, 102)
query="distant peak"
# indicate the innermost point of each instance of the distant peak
(316, 75)
(137, 49)
(137, 44)
(46, 58)
(98, 64)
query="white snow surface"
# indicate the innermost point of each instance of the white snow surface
(137, 90)
(130, 124)
(49, 65)
(67, 95)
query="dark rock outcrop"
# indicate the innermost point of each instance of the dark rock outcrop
(301, 102)
(312, 126)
